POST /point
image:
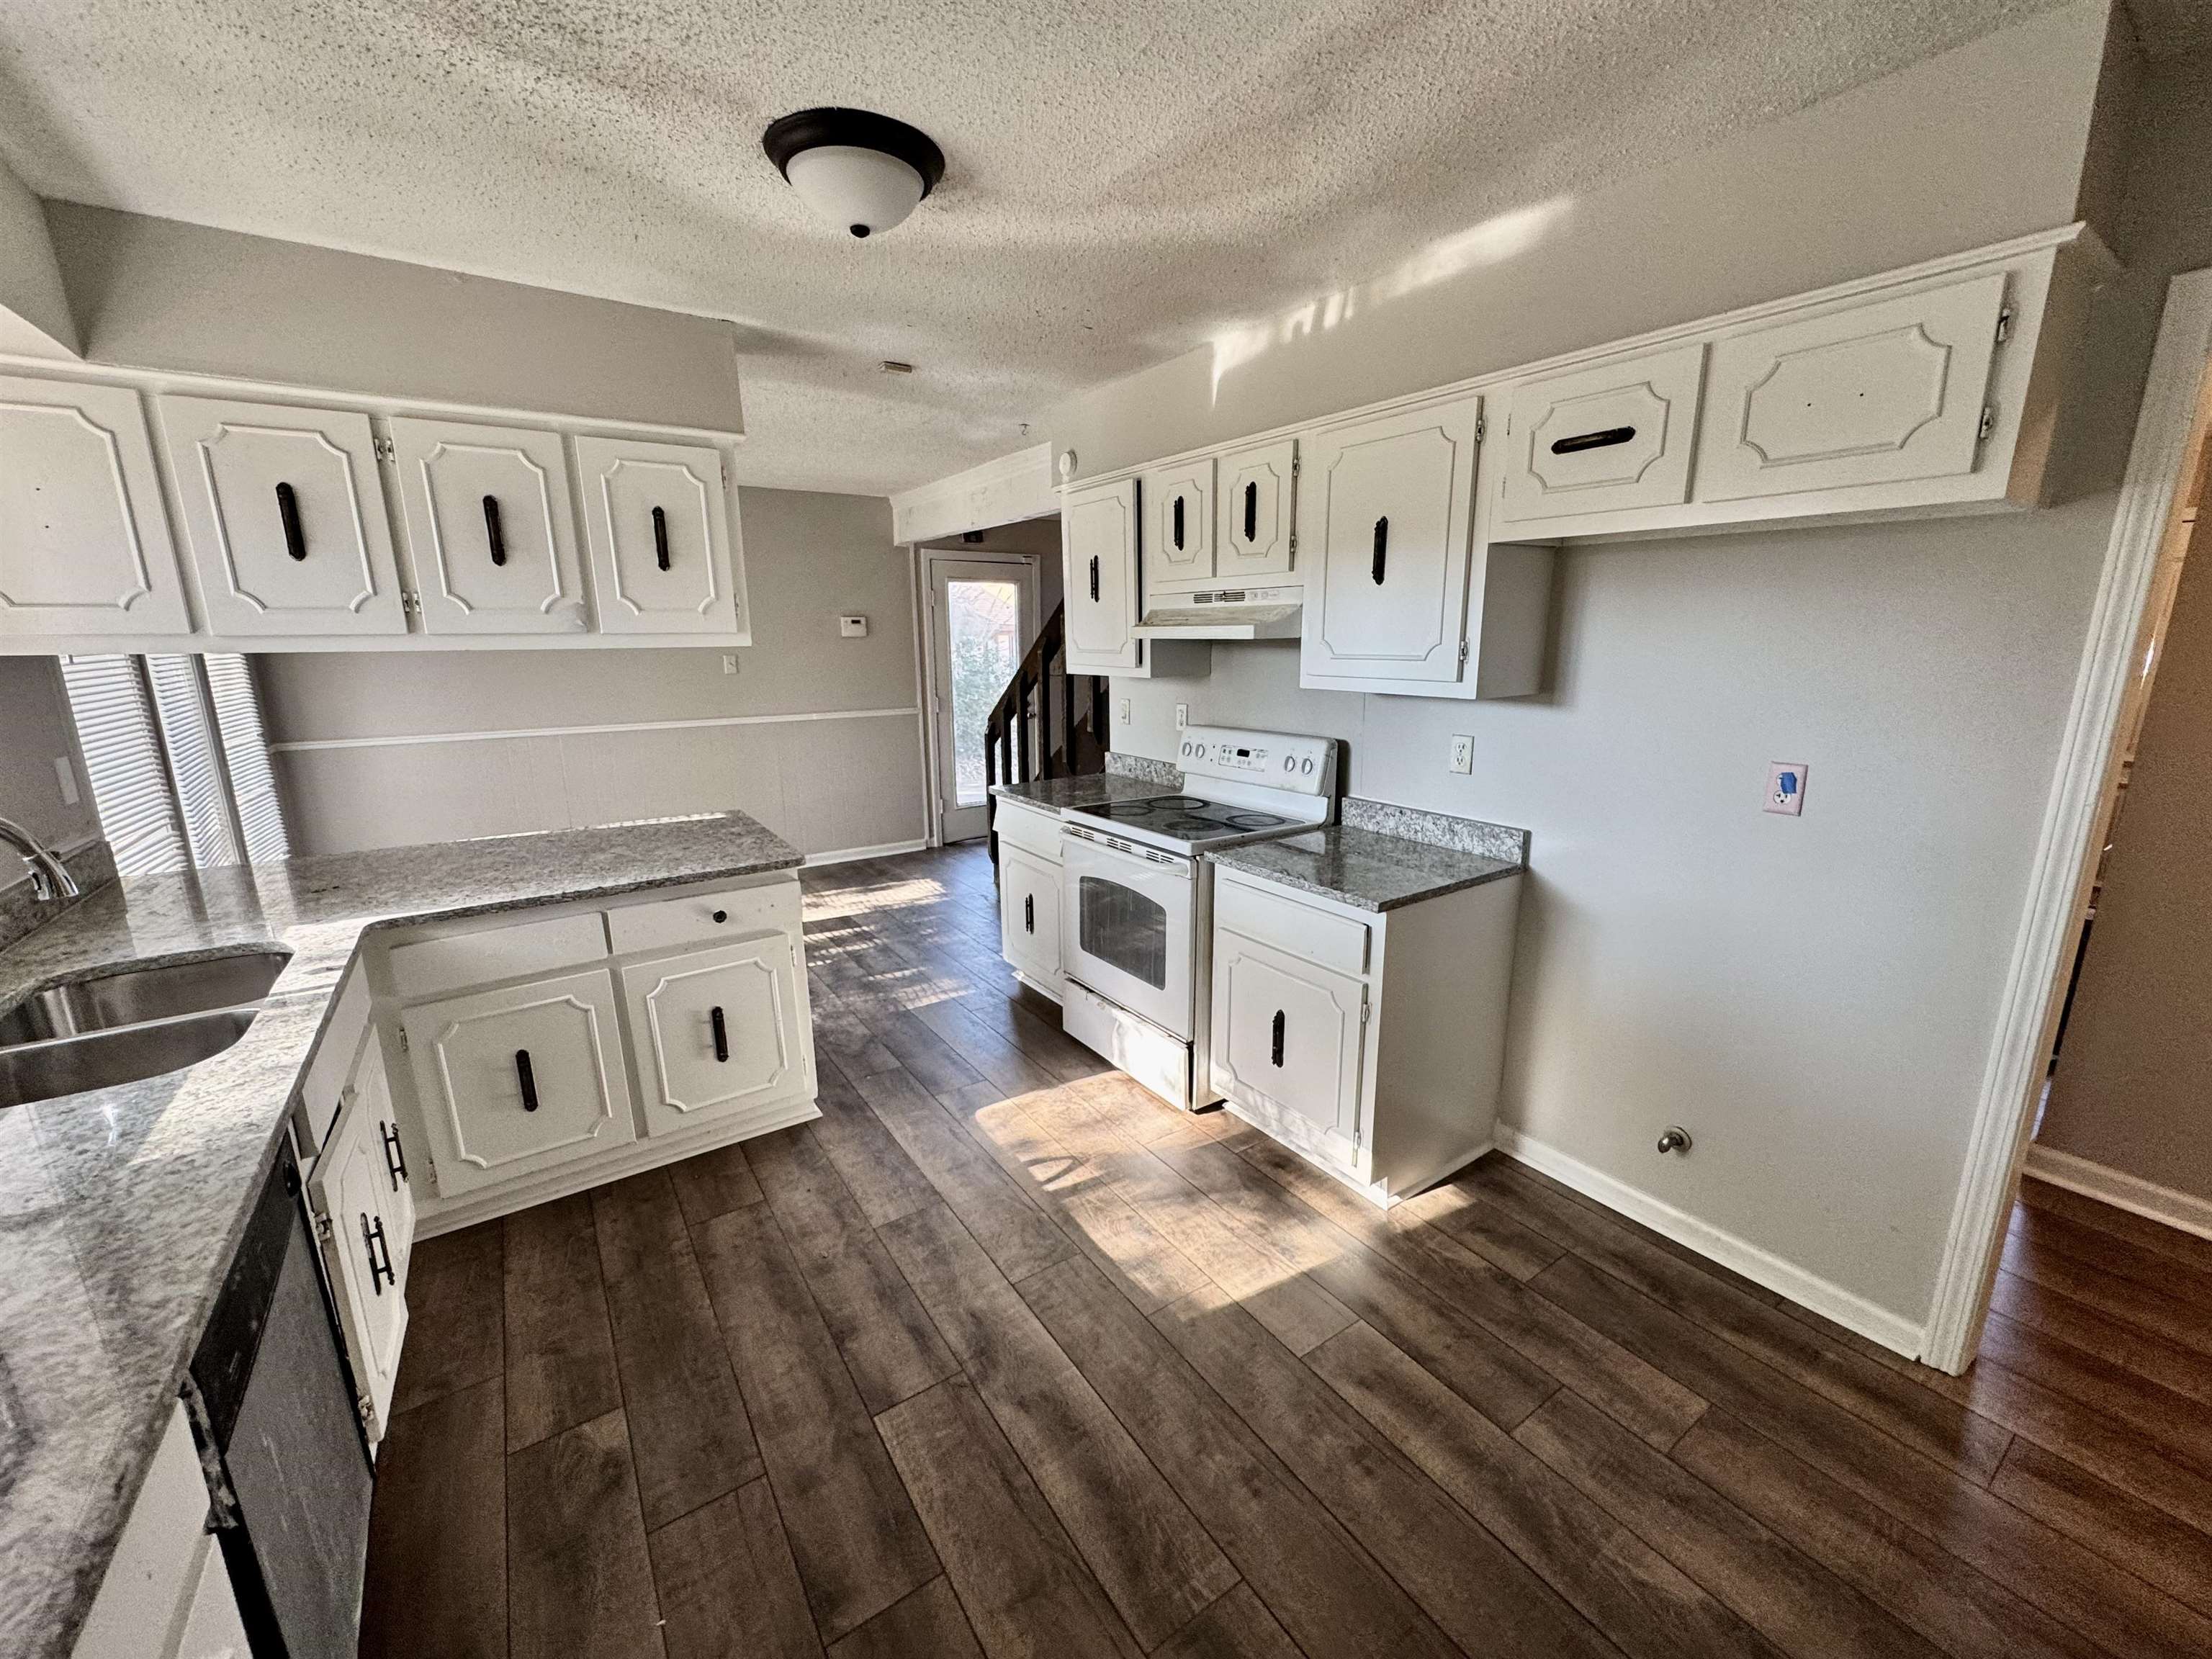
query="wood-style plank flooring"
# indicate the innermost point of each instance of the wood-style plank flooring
(1003, 1357)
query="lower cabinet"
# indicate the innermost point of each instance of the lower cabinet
(517, 1080)
(1029, 916)
(717, 1032)
(166, 1593)
(364, 1208)
(1287, 1036)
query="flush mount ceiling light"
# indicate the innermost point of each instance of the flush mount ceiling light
(855, 168)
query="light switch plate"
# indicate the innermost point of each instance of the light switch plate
(1785, 787)
(1462, 755)
(852, 627)
(729, 662)
(65, 775)
(1123, 713)
(1183, 715)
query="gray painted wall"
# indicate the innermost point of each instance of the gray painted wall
(35, 729)
(827, 784)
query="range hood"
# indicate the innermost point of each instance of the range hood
(1228, 613)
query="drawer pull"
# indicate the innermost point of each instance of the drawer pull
(1028, 913)
(1275, 1052)
(1381, 548)
(721, 915)
(288, 511)
(721, 1034)
(1178, 522)
(395, 1155)
(1251, 514)
(376, 1245)
(1582, 440)
(495, 538)
(527, 1079)
(1094, 579)
(661, 539)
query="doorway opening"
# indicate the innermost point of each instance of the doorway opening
(982, 615)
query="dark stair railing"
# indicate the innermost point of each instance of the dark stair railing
(1048, 723)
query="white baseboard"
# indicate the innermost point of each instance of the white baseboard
(2121, 1190)
(850, 854)
(1848, 1309)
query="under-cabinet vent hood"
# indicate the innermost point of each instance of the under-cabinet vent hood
(1228, 613)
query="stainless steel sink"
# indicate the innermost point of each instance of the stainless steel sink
(125, 1024)
(131, 996)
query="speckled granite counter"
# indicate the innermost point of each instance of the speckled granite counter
(1374, 870)
(120, 1208)
(1054, 793)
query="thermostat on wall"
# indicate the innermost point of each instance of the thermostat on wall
(852, 627)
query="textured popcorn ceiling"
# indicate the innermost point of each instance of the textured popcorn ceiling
(1124, 181)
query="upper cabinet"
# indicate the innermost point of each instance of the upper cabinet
(1099, 544)
(657, 521)
(84, 539)
(1600, 439)
(489, 527)
(1255, 518)
(284, 517)
(1178, 520)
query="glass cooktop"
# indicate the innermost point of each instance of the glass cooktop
(1186, 818)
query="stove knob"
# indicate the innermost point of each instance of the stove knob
(1307, 765)
(1290, 763)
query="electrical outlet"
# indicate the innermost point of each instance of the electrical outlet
(729, 662)
(1462, 756)
(1785, 787)
(1123, 713)
(65, 775)
(1183, 715)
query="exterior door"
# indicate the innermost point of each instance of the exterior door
(491, 528)
(717, 1031)
(1098, 544)
(657, 521)
(982, 616)
(284, 516)
(84, 540)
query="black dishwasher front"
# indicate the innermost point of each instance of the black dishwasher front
(292, 1478)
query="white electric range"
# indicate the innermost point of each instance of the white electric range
(1136, 899)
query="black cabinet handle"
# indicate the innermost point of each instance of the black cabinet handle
(1094, 579)
(493, 536)
(721, 1033)
(1251, 512)
(395, 1155)
(1382, 549)
(721, 915)
(1276, 1050)
(660, 538)
(527, 1079)
(1582, 440)
(1028, 913)
(1178, 522)
(374, 1244)
(288, 510)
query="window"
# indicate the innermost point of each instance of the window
(178, 760)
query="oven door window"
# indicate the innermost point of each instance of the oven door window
(1122, 929)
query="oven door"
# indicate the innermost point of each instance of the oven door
(1126, 915)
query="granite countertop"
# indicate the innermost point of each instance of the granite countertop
(1359, 863)
(1092, 790)
(120, 1208)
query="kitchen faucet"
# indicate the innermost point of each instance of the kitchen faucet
(51, 882)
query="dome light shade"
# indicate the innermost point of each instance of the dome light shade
(862, 171)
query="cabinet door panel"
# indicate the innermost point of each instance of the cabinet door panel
(718, 1031)
(518, 1080)
(1874, 393)
(1028, 914)
(1385, 506)
(84, 539)
(371, 1096)
(1099, 543)
(1286, 1039)
(656, 518)
(1178, 534)
(489, 525)
(348, 1191)
(1608, 438)
(284, 516)
(1258, 486)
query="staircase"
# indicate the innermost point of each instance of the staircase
(1048, 723)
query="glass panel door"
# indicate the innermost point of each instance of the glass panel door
(983, 614)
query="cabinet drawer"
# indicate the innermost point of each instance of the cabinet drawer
(433, 966)
(1033, 829)
(1605, 439)
(324, 1087)
(1268, 915)
(699, 918)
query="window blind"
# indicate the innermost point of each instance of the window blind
(237, 704)
(121, 746)
(195, 760)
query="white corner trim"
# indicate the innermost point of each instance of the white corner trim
(1846, 1308)
(2120, 1189)
(2034, 983)
(848, 855)
(1013, 487)
(401, 740)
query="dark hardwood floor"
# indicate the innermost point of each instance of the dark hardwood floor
(1003, 1357)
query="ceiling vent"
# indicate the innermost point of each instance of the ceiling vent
(855, 168)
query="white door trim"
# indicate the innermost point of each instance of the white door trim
(2035, 983)
(925, 592)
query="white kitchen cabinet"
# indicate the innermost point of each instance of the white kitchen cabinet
(489, 528)
(284, 517)
(516, 1080)
(1608, 438)
(1099, 543)
(364, 1212)
(1885, 391)
(1028, 917)
(166, 1593)
(718, 1032)
(84, 539)
(656, 518)
(1287, 1037)
(1255, 513)
(1385, 517)
(1177, 536)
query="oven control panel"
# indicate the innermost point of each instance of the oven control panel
(1280, 760)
